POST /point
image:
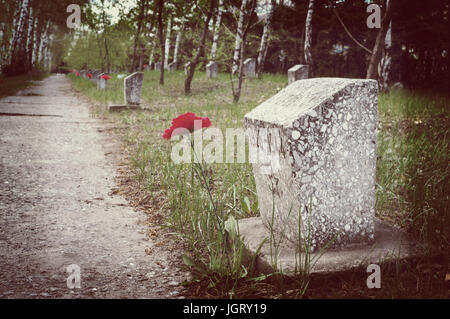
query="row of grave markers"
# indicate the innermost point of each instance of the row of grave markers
(297, 72)
(132, 86)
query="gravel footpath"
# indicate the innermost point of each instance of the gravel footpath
(57, 171)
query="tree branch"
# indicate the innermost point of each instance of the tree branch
(347, 31)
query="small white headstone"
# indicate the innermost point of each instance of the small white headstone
(250, 68)
(172, 67)
(101, 83)
(133, 88)
(298, 72)
(211, 70)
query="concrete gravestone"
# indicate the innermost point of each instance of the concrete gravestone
(172, 67)
(101, 83)
(132, 85)
(211, 70)
(158, 66)
(133, 88)
(250, 68)
(327, 160)
(298, 72)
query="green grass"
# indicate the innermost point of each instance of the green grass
(412, 170)
(11, 85)
(413, 164)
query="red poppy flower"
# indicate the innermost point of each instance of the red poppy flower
(89, 75)
(105, 77)
(186, 121)
(77, 74)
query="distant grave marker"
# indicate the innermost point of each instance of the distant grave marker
(298, 72)
(211, 70)
(133, 88)
(250, 68)
(172, 67)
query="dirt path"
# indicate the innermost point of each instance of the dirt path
(56, 209)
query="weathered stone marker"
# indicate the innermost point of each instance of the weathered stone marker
(250, 68)
(298, 72)
(186, 68)
(326, 164)
(211, 70)
(158, 66)
(172, 67)
(95, 73)
(133, 88)
(101, 83)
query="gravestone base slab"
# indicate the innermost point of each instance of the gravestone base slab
(118, 108)
(390, 244)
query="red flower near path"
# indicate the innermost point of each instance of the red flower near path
(77, 74)
(186, 121)
(105, 77)
(89, 75)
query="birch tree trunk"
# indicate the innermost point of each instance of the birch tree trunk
(237, 92)
(237, 45)
(216, 31)
(384, 67)
(308, 35)
(18, 16)
(265, 36)
(167, 52)
(49, 55)
(378, 46)
(37, 41)
(200, 51)
(161, 39)
(177, 43)
(150, 62)
(17, 55)
(30, 40)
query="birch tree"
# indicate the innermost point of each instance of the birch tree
(372, 70)
(177, 43)
(216, 31)
(140, 22)
(17, 52)
(161, 38)
(201, 49)
(263, 46)
(167, 46)
(384, 67)
(308, 36)
(239, 32)
(237, 91)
